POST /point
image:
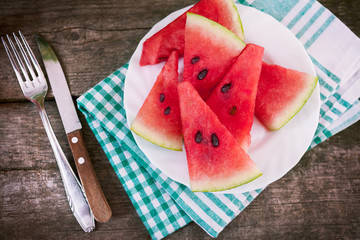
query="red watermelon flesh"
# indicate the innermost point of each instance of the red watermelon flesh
(210, 50)
(158, 120)
(233, 100)
(172, 37)
(215, 159)
(281, 94)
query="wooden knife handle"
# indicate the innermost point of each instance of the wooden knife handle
(95, 196)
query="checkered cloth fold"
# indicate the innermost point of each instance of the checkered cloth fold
(165, 205)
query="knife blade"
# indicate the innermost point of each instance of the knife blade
(95, 196)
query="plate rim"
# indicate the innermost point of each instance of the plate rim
(178, 13)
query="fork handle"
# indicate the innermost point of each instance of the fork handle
(95, 196)
(74, 191)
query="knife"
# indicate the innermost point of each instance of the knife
(94, 194)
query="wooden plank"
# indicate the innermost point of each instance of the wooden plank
(93, 40)
(34, 206)
(317, 198)
(32, 195)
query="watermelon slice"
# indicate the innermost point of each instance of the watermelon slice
(233, 100)
(159, 46)
(210, 50)
(281, 94)
(158, 120)
(216, 161)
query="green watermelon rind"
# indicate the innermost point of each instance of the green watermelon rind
(211, 169)
(236, 183)
(298, 104)
(242, 37)
(152, 56)
(149, 135)
(223, 31)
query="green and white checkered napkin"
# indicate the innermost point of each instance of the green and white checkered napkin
(165, 205)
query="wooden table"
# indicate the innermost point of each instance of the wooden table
(318, 199)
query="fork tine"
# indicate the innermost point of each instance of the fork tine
(13, 63)
(11, 58)
(20, 62)
(31, 54)
(26, 59)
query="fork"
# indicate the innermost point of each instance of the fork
(34, 86)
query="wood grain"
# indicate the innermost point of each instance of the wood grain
(80, 30)
(318, 199)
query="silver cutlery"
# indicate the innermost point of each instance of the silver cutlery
(33, 85)
(95, 196)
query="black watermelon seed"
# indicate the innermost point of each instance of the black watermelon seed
(162, 97)
(195, 60)
(198, 137)
(233, 111)
(202, 74)
(214, 140)
(167, 111)
(225, 88)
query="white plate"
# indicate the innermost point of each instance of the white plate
(274, 152)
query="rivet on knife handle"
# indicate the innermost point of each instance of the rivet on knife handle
(95, 196)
